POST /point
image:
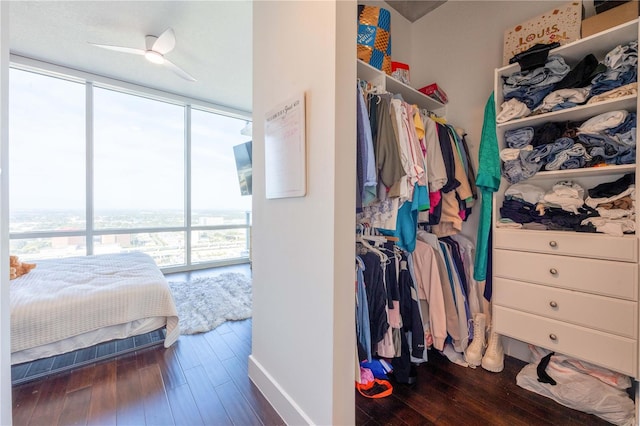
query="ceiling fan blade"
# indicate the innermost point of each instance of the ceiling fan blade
(120, 48)
(166, 42)
(182, 73)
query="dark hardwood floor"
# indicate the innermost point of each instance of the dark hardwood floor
(202, 380)
(448, 394)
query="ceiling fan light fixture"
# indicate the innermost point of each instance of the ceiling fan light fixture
(154, 57)
(154, 51)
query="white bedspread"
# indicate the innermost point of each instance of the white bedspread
(62, 298)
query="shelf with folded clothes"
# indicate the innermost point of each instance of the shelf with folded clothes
(393, 85)
(600, 145)
(564, 227)
(604, 169)
(628, 103)
(598, 44)
(581, 203)
(571, 78)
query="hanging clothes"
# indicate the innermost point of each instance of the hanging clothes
(365, 165)
(363, 325)
(411, 319)
(418, 289)
(459, 190)
(373, 276)
(430, 289)
(488, 181)
(453, 324)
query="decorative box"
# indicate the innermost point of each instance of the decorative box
(561, 24)
(610, 18)
(435, 92)
(374, 37)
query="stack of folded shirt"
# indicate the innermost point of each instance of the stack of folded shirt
(554, 86)
(615, 204)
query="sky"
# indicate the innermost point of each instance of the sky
(139, 153)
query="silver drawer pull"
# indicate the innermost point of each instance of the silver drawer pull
(553, 337)
(553, 304)
(553, 244)
(553, 271)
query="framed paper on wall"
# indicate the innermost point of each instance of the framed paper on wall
(285, 150)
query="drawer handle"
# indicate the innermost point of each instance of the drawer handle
(553, 271)
(553, 244)
(553, 337)
(553, 304)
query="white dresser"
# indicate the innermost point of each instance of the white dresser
(571, 292)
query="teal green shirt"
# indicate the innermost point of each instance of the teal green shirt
(488, 181)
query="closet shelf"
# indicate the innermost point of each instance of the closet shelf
(598, 44)
(577, 113)
(583, 172)
(392, 85)
(587, 236)
(535, 271)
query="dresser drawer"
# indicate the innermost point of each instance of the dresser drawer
(602, 313)
(597, 246)
(608, 350)
(616, 279)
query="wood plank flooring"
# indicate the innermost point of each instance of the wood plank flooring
(202, 380)
(448, 394)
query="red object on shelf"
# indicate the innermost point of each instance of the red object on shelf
(399, 65)
(400, 71)
(435, 92)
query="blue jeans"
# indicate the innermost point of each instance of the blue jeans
(518, 138)
(554, 70)
(362, 311)
(612, 79)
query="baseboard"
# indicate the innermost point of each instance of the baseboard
(281, 401)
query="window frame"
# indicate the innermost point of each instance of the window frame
(91, 81)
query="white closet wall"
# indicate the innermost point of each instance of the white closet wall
(303, 329)
(461, 56)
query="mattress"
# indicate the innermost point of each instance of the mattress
(68, 304)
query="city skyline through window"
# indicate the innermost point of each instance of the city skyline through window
(135, 175)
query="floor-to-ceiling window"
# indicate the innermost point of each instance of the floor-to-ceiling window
(218, 211)
(96, 169)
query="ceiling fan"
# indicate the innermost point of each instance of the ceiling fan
(156, 49)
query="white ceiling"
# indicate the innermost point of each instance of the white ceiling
(213, 42)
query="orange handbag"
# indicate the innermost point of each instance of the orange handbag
(375, 389)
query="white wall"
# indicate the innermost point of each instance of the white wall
(303, 270)
(5, 341)
(458, 46)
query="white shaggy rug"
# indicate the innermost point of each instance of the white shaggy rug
(205, 303)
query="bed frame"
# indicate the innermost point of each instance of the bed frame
(71, 312)
(45, 367)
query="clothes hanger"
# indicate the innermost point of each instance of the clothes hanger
(383, 257)
(365, 238)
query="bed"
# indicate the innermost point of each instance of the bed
(67, 304)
